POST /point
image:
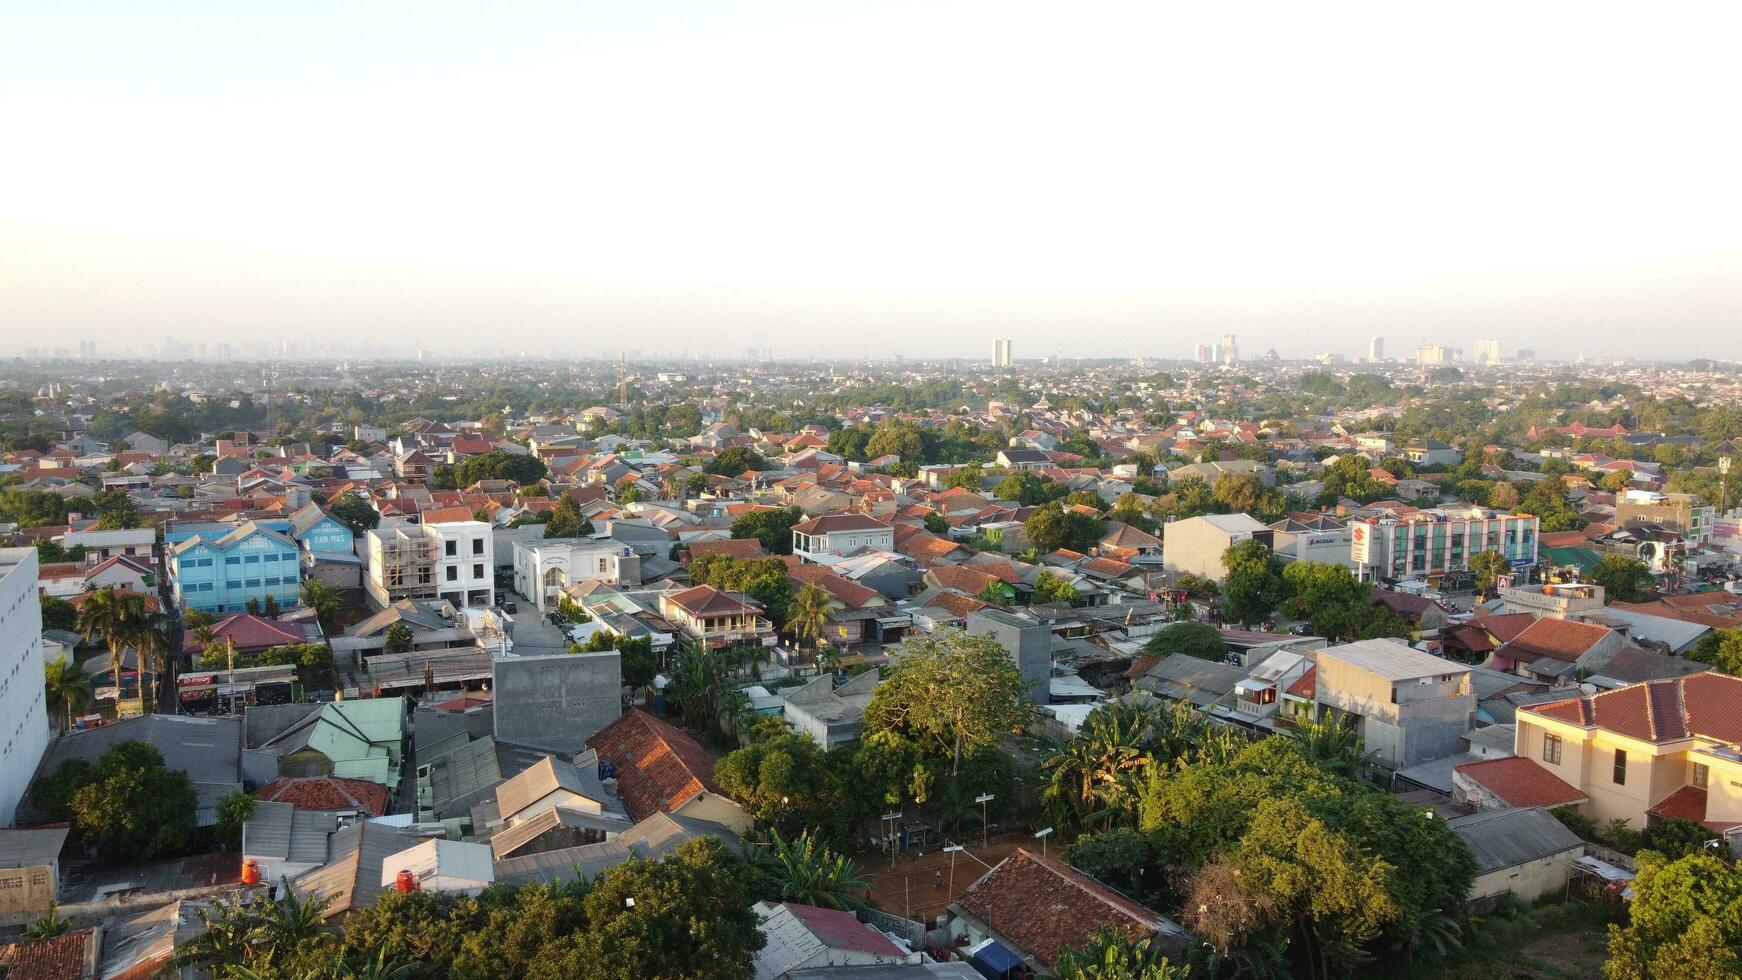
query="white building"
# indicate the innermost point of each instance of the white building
(823, 539)
(1195, 545)
(465, 563)
(23, 708)
(543, 569)
(455, 560)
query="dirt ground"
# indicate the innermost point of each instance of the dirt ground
(910, 888)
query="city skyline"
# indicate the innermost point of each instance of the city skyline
(759, 178)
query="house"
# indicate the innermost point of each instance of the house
(1432, 452)
(856, 614)
(319, 532)
(1195, 545)
(1202, 683)
(350, 875)
(649, 839)
(661, 769)
(453, 560)
(1409, 707)
(544, 569)
(1023, 459)
(73, 955)
(284, 841)
(225, 573)
(1026, 639)
(716, 618)
(251, 634)
(1560, 600)
(829, 715)
(136, 542)
(1551, 650)
(336, 794)
(806, 937)
(29, 873)
(1035, 908)
(1524, 852)
(823, 539)
(360, 739)
(1641, 753)
(1211, 471)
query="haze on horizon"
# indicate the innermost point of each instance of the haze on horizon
(873, 179)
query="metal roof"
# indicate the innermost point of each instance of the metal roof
(31, 848)
(1392, 660)
(279, 830)
(1508, 838)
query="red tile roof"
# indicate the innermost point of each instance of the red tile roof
(659, 768)
(850, 593)
(830, 523)
(64, 957)
(705, 600)
(327, 793)
(1504, 627)
(1307, 684)
(248, 631)
(1659, 711)
(1047, 907)
(1560, 639)
(1520, 782)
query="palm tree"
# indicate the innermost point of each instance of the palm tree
(154, 643)
(808, 614)
(1097, 774)
(1112, 955)
(806, 872)
(67, 688)
(398, 638)
(1332, 741)
(116, 617)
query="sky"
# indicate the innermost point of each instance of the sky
(872, 179)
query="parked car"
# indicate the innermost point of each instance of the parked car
(509, 607)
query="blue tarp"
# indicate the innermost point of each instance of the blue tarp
(994, 962)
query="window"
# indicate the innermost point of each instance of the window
(1701, 774)
(1620, 767)
(251, 560)
(477, 571)
(453, 548)
(477, 546)
(233, 560)
(233, 584)
(453, 573)
(1551, 749)
(254, 583)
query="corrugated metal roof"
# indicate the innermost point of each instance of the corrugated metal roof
(1507, 838)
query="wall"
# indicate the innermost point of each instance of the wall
(25, 893)
(24, 721)
(1030, 645)
(557, 702)
(1529, 881)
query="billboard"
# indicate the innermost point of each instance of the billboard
(1359, 543)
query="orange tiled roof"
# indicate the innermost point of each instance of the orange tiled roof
(1520, 782)
(1659, 711)
(1046, 907)
(659, 768)
(327, 793)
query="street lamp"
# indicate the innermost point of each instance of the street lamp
(890, 819)
(1042, 835)
(952, 850)
(983, 799)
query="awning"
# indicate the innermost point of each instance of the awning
(992, 960)
(891, 622)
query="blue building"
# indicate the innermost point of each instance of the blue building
(219, 574)
(319, 532)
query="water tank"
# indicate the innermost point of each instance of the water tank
(405, 881)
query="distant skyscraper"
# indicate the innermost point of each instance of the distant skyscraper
(88, 350)
(1487, 352)
(1001, 353)
(1376, 349)
(1202, 354)
(1230, 351)
(1428, 354)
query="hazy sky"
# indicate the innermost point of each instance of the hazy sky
(874, 178)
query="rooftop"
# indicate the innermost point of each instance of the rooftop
(1391, 659)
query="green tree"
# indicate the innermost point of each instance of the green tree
(1487, 566)
(1096, 778)
(950, 695)
(57, 613)
(129, 804)
(935, 523)
(770, 526)
(233, 811)
(808, 614)
(566, 520)
(809, 873)
(734, 460)
(67, 688)
(1254, 586)
(896, 439)
(1052, 527)
(324, 600)
(1113, 955)
(1623, 579)
(1199, 640)
(1052, 588)
(497, 464)
(1722, 648)
(1685, 922)
(1503, 496)
(1335, 604)
(354, 511)
(117, 618)
(399, 638)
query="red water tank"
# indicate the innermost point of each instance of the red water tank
(406, 882)
(250, 872)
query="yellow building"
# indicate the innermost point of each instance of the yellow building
(1642, 753)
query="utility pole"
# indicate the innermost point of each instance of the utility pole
(1723, 484)
(983, 799)
(230, 660)
(952, 850)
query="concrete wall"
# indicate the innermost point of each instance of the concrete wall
(1529, 881)
(1030, 645)
(23, 706)
(25, 893)
(1429, 723)
(557, 702)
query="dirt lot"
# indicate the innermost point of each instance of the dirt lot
(911, 887)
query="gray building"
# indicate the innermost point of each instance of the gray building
(1525, 852)
(1028, 641)
(1196, 544)
(830, 715)
(1412, 707)
(557, 702)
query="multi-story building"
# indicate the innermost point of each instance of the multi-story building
(840, 535)
(100, 546)
(543, 569)
(1430, 543)
(1001, 353)
(1642, 753)
(1682, 513)
(716, 619)
(1413, 707)
(1487, 351)
(23, 707)
(455, 560)
(1195, 545)
(1376, 350)
(222, 573)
